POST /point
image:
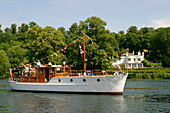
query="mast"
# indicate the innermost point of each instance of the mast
(84, 54)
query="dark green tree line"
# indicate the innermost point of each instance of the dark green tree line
(29, 42)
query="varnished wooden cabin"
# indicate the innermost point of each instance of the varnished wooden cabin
(44, 74)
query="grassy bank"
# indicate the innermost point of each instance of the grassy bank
(149, 73)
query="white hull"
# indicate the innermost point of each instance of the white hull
(91, 84)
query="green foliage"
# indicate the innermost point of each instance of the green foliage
(153, 64)
(144, 62)
(4, 63)
(32, 42)
(150, 73)
(13, 28)
(160, 41)
(16, 55)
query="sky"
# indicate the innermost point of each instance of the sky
(119, 14)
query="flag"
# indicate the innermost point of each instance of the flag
(77, 40)
(71, 44)
(55, 54)
(80, 37)
(95, 44)
(63, 50)
(12, 76)
(120, 68)
(65, 47)
(81, 51)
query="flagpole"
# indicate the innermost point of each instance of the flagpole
(84, 54)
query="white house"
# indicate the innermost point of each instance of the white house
(134, 61)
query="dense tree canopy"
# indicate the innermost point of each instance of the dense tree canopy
(160, 41)
(29, 42)
(4, 63)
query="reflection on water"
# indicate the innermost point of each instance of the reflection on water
(44, 102)
(139, 96)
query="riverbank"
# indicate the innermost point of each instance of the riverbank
(149, 73)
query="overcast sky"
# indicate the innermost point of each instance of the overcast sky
(119, 14)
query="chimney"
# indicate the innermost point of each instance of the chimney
(143, 54)
(126, 53)
(139, 53)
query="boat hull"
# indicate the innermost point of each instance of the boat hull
(93, 84)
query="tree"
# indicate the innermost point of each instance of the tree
(8, 30)
(4, 64)
(16, 56)
(145, 30)
(133, 41)
(31, 24)
(0, 28)
(94, 27)
(43, 42)
(23, 28)
(160, 41)
(132, 29)
(13, 28)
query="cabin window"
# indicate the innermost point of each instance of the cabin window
(59, 70)
(98, 80)
(35, 78)
(71, 80)
(42, 71)
(59, 80)
(84, 80)
(67, 70)
(52, 70)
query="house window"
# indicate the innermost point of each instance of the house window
(129, 59)
(139, 59)
(134, 59)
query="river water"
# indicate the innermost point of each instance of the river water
(140, 96)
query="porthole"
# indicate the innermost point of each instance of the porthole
(35, 78)
(84, 80)
(59, 80)
(98, 80)
(71, 80)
